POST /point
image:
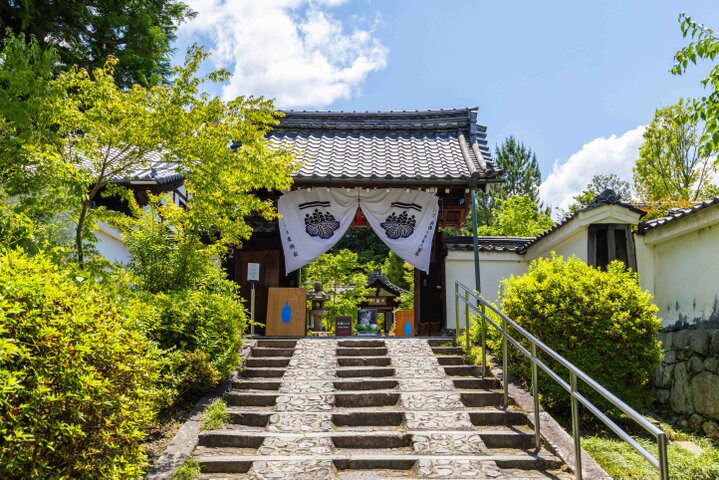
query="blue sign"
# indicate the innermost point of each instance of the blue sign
(286, 312)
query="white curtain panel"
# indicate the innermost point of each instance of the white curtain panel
(404, 220)
(312, 221)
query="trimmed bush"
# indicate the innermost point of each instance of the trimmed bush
(200, 331)
(77, 377)
(599, 320)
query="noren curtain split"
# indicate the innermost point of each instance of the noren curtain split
(312, 221)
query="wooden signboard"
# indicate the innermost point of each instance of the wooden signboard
(343, 326)
(404, 323)
(286, 311)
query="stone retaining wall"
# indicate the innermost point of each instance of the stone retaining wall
(688, 377)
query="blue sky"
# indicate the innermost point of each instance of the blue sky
(575, 81)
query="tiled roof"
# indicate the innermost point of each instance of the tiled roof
(675, 214)
(521, 244)
(489, 244)
(378, 277)
(427, 147)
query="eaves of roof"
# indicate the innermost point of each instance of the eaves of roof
(675, 215)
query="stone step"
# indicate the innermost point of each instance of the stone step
(225, 438)
(441, 342)
(361, 343)
(276, 343)
(361, 351)
(363, 361)
(371, 440)
(476, 383)
(368, 419)
(280, 362)
(489, 417)
(220, 463)
(365, 399)
(249, 419)
(447, 351)
(486, 398)
(364, 372)
(272, 352)
(263, 372)
(451, 360)
(247, 399)
(365, 384)
(248, 384)
(462, 370)
(507, 439)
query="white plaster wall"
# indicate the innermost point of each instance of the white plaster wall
(494, 267)
(110, 244)
(575, 242)
(679, 265)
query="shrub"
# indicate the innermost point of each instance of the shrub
(200, 331)
(601, 321)
(77, 377)
(190, 470)
(215, 416)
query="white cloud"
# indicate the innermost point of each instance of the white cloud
(291, 50)
(600, 156)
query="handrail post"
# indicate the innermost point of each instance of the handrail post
(466, 321)
(456, 313)
(663, 462)
(575, 425)
(505, 363)
(484, 343)
(535, 393)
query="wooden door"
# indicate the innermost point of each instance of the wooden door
(269, 261)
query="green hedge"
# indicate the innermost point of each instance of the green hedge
(77, 377)
(600, 320)
(199, 331)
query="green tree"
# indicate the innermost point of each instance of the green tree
(138, 33)
(518, 216)
(669, 164)
(98, 132)
(343, 279)
(520, 167)
(599, 184)
(521, 176)
(369, 247)
(704, 45)
(394, 268)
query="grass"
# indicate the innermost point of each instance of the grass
(215, 416)
(190, 470)
(622, 462)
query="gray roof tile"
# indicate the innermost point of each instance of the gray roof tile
(675, 214)
(426, 146)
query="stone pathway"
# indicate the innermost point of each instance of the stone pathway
(369, 409)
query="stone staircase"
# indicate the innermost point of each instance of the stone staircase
(369, 409)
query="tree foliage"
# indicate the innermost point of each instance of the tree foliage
(78, 376)
(520, 167)
(343, 278)
(592, 317)
(703, 45)
(521, 176)
(88, 132)
(518, 216)
(598, 185)
(138, 33)
(369, 247)
(670, 165)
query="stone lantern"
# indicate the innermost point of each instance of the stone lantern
(318, 299)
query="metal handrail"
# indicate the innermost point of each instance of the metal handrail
(575, 373)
